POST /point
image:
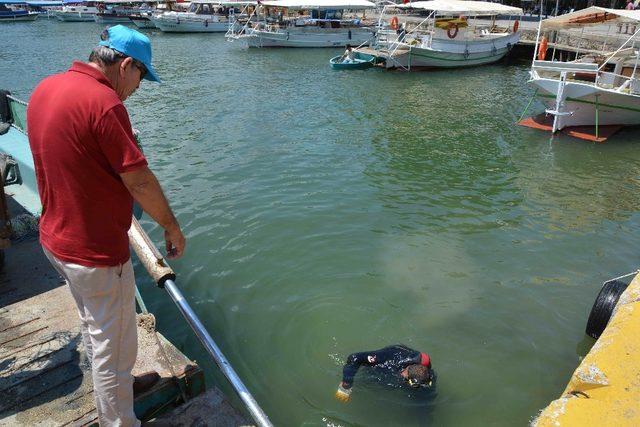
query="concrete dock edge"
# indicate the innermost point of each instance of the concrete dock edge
(605, 388)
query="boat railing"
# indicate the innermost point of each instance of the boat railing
(164, 277)
(382, 36)
(587, 73)
(232, 33)
(383, 33)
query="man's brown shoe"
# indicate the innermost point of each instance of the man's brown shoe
(144, 382)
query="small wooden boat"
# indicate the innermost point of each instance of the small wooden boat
(341, 63)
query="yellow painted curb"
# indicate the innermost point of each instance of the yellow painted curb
(605, 389)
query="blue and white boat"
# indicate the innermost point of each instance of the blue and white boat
(44, 7)
(16, 11)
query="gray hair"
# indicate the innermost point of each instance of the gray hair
(105, 56)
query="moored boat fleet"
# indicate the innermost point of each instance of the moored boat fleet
(592, 86)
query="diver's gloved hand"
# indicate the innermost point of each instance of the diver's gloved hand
(343, 394)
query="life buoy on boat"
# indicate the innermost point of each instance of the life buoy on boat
(394, 23)
(542, 49)
(452, 26)
(516, 25)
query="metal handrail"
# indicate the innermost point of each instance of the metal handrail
(164, 277)
(231, 32)
(619, 49)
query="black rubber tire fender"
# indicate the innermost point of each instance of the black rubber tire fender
(603, 307)
(5, 110)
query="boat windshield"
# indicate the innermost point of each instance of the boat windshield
(326, 14)
(207, 9)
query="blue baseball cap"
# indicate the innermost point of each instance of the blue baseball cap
(134, 44)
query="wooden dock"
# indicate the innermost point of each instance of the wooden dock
(44, 375)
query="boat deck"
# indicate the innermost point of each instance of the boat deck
(44, 376)
(381, 53)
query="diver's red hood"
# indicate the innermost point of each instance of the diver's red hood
(425, 360)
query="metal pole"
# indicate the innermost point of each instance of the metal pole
(528, 105)
(597, 135)
(140, 301)
(163, 275)
(256, 412)
(535, 49)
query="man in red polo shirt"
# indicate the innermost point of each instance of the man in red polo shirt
(89, 171)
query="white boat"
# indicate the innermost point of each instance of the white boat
(306, 23)
(594, 88)
(450, 36)
(77, 12)
(203, 16)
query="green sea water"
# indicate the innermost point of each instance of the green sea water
(332, 212)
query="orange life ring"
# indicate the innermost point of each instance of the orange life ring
(454, 27)
(516, 25)
(394, 23)
(542, 49)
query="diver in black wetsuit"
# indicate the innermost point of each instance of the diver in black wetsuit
(412, 365)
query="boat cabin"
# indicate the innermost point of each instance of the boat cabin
(211, 8)
(328, 14)
(79, 6)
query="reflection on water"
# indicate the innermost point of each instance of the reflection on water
(329, 212)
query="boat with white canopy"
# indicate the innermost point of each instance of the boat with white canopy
(203, 16)
(451, 35)
(306, 23)
(76, 11)
(591, 87)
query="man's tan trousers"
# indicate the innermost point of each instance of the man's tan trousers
(105, 297)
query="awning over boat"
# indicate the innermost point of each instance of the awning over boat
(43, 3)
(226, 3)
(127, 1)
(462, 7)
(320, 4)
(593, 15)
